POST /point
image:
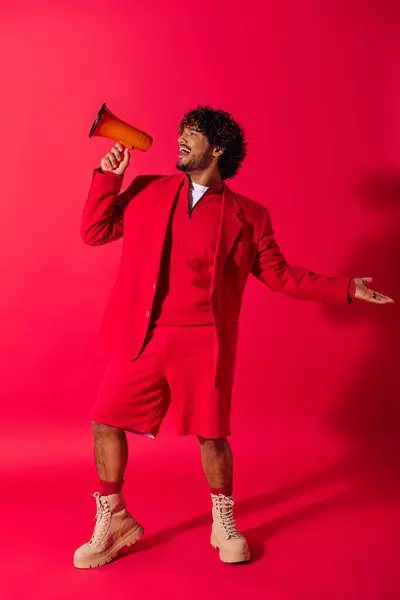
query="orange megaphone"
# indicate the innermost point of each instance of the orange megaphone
(109, 126)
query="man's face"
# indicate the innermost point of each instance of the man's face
(195, 151)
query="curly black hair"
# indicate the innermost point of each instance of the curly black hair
(223, 132)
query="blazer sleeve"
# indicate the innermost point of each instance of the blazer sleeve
(103, 213)
(272, 269)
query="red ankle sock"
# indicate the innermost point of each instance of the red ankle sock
(225, 491)
(107, 488)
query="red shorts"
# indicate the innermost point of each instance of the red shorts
(175, 367)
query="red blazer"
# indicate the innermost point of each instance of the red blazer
(245, 245)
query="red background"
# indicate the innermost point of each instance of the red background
(316, 405)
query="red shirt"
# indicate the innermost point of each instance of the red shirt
(183, 289)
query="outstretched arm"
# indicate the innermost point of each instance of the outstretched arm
(271, 268)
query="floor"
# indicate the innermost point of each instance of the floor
(313, 535)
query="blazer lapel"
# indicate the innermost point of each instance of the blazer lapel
(229, 229)
(164, 200)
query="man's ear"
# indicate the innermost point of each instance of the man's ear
(218, 151)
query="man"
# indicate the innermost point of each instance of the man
(171, 327)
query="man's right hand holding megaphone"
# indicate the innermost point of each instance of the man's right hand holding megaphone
(117, 160)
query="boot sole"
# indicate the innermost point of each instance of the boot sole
(230, 557)
(106, 557)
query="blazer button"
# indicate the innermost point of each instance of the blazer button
(154, 286)
(147, 313)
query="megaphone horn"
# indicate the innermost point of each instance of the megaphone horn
(109, 126)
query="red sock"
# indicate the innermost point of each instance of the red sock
(225, 491)
(107, 488)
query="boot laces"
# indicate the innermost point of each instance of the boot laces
(102, 518)
(224, 509)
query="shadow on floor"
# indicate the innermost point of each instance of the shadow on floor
(257, 536)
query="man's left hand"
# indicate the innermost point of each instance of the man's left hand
(362, 292)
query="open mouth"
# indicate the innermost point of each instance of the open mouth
(183, 151)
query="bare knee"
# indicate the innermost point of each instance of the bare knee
(101, 430)
(213, 443)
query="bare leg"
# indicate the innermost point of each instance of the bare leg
(115, 527)
(111, 452)
(217, 462)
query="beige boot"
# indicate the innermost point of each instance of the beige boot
(232, 545)
(115, 528)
